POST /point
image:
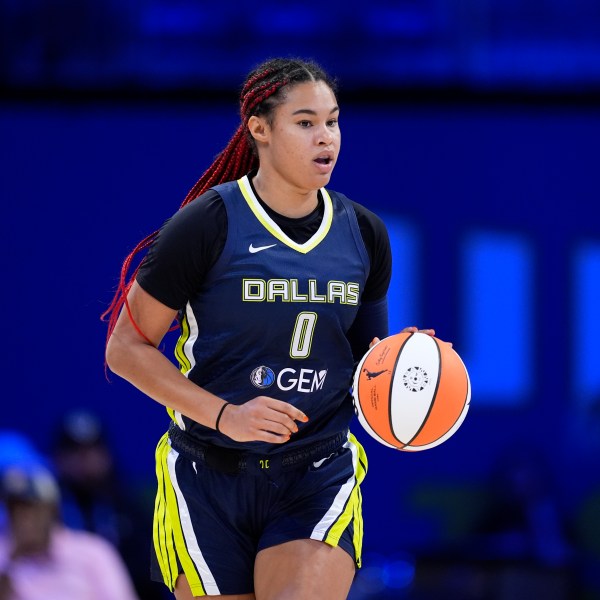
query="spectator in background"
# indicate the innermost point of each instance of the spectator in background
(95, 499)
(91, 495)
(15, 448)
(41, 558)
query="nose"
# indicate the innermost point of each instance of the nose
(325, 136)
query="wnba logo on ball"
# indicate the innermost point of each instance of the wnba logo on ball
(415, 379)
(262, 377)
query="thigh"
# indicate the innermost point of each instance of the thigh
(303, 569)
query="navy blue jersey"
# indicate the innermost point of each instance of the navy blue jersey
(329, 270)
(272, 315)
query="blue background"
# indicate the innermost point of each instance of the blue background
(472, 128)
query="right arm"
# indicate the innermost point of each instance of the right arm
(138, 360)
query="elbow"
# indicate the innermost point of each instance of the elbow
(113, 355)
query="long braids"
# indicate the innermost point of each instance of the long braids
(261, 93)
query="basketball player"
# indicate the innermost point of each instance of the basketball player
(278, 285)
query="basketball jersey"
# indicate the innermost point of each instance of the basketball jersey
(272, 315)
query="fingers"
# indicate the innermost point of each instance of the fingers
(410, 330)
(414, 329)
(262, 419)
(281, 421)
(285, 408)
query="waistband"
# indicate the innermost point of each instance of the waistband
(229, 460)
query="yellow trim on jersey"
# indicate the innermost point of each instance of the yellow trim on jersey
(353, 510)
(169, 541)
(184, 362)
(275, 230)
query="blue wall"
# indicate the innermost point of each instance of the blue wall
(461, 186)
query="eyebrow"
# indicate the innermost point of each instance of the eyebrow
(309, 111)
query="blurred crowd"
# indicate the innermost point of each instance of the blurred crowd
(70, 527)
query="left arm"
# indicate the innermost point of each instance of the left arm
(371, 323)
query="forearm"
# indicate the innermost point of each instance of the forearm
(149, 370)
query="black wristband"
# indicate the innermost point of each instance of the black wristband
(220, 415)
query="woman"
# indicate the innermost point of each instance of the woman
(40, 557)
(278, 286)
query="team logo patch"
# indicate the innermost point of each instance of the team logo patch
(415, 379)
(262, 377)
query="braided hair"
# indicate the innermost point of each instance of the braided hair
(264, 89)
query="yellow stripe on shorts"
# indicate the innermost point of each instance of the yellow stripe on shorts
(347, 505)
(169, 539)
(161, 531)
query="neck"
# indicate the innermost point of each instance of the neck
(284, 197)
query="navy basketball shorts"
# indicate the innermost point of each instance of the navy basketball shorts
(212, 517)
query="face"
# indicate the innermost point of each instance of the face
(302, 143)
(31, 523)
(85, 466)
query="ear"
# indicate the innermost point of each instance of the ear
(259, 129)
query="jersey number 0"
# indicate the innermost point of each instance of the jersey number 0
(303, 335)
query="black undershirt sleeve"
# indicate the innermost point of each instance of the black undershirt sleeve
(371, 322)
(186, 248)
(372, 318)
(377, 243)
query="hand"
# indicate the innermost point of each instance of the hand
(431, 332)
(261, 419)
(413, 329)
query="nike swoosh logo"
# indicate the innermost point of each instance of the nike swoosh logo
(254, 249)
(317, 464)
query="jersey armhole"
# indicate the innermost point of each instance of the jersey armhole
(355, 228)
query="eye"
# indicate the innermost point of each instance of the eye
(304, 123)
(332, 123)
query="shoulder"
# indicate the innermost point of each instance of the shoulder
(377, 243)
(371, 225)
(81, 544)
(95, 560)
(368, 219)
(86, 549)
(184, 250)
(210, 204)
(197, 221)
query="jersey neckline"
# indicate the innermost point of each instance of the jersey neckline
(271, 226)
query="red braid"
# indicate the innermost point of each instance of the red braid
(235, 161)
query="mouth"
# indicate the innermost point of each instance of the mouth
(324, 162)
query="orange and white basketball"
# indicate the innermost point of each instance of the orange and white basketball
(411, 391)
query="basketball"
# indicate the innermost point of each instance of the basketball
(411, 391)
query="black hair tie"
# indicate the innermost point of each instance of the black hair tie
(220, 415)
